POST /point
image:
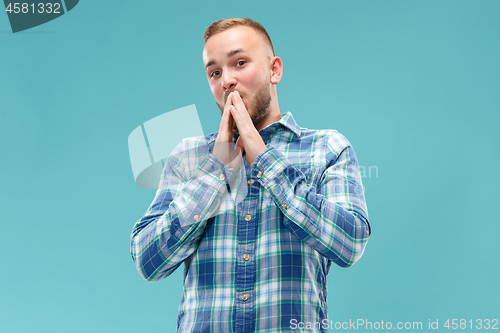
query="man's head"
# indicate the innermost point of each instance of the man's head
(239, 56)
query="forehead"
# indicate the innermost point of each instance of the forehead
(238, 37)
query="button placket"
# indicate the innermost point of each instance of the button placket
(245, 266)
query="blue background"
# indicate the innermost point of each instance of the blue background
(414, 85)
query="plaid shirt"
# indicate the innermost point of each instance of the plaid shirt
(255, 259)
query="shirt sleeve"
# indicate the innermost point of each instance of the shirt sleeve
(330, 217)
(192, 184)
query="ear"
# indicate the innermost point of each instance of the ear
(276, 69)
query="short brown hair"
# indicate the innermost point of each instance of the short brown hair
(225, 24)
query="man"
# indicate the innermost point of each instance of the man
(260, 264)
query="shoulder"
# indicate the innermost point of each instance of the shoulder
(329, 139)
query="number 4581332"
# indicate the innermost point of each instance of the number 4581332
(479, 324)
(47, 8)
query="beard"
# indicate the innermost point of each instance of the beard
(257, 108)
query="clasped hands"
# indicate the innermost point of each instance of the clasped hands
(249, 140)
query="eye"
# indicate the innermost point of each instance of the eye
(241, 63)
(214, 73)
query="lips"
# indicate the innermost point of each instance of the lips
(226, 95)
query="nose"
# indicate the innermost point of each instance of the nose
(228, 81)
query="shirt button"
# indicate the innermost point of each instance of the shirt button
(246, 257)
(248, 218)
(244, 297)
(259, 174)
(196, 217)
(284, 206)
(250, 181)
(222, 177)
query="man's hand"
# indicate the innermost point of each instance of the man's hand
(250, 139)
(223, 149)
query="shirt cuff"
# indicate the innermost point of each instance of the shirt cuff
(268, 165)
(279, 176)
(216, 173)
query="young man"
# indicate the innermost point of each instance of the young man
(258, 264)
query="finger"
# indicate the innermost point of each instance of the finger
(240, 143)
(235, 115)
(225, 117)
(238, 102)
(226, 124)
(240, 113)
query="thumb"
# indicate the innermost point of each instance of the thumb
(240, 144)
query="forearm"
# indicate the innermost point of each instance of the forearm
(333, 221)
(170, 230)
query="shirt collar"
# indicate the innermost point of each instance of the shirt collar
(288, 121)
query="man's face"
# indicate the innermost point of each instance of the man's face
(239, 59)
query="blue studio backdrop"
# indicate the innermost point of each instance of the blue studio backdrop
(414, 85)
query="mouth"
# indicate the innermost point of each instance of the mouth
(226, 95)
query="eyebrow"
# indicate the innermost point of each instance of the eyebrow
(229, 55)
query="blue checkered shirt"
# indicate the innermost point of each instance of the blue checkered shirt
(255, 262)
